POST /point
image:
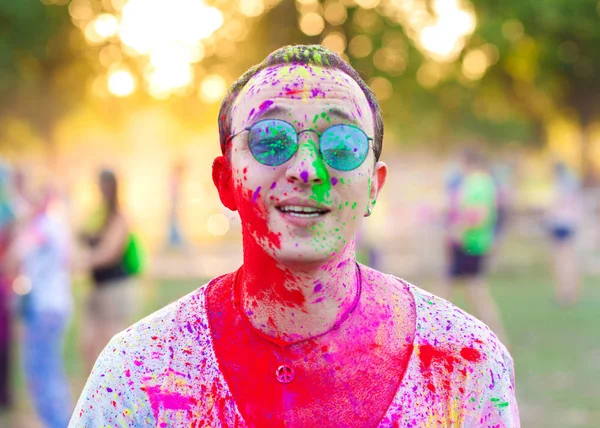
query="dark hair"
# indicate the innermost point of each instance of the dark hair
(473, 156)
(109, 179)
(316, 55)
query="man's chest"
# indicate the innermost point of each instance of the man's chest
(321, 383)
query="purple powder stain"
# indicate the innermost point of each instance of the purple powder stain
(109, 389)
(273, 185)
(264, 105)
(315, 92)
(334, 181)
(493, 384)
(318, 288)
(319, 300)
(256, 192)
(359, 111)
(328, 358)
(304, 176)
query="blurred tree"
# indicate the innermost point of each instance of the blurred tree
(549, 59)
(504, 80)
(41, 75)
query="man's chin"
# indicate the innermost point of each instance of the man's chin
(298, 257)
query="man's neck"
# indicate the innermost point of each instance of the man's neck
(291, 304)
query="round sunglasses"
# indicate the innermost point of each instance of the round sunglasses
(273, 142)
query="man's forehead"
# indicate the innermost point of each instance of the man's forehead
(288, 79)
(301, 82)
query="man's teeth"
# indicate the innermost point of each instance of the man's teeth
(302, 211)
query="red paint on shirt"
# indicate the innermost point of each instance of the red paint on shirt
(470, 354)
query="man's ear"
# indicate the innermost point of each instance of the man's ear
(378, 180)
(221, 175)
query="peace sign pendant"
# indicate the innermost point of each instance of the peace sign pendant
(284, 373)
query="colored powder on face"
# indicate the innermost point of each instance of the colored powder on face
(320, 192)
(304, 176)
(318, 288)
(294, 91)
(256, 193)
(255, 221)
(334, 181)
(273, 185)
(315, 92)
(263, 106)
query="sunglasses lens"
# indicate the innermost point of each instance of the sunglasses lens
(272, 142)
(344, 147)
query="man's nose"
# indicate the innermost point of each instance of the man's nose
(306, 165)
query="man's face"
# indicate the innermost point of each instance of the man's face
(276, 204)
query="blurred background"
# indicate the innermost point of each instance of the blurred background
(135, 86)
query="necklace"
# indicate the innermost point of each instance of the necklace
(285, 373)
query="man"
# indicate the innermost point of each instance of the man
(471, 235)
(302, 335)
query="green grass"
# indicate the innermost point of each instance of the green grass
(556, 351)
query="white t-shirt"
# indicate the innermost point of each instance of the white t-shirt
(163, 372)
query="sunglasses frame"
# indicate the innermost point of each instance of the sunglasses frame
(249, 128)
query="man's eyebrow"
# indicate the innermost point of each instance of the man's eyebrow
(338, 113)
(266, 113)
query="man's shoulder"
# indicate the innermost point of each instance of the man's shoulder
(443, 323)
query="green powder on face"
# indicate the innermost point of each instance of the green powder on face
(303, 72)
(321, 193)
(354, 205)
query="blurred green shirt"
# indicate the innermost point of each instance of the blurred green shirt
(478, 212)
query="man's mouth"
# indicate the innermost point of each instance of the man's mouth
(302, 211)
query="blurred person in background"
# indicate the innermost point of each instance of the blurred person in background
(502, 174)
(470, 237)
(111, 304)
(563, 220)
(301, 334)
(41, 248)
(175, 238)
(7, 223)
